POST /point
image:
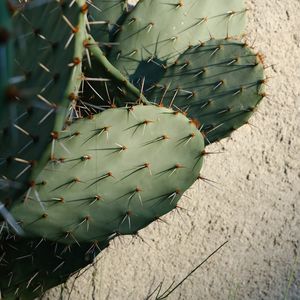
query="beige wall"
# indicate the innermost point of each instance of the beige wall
(255, 203)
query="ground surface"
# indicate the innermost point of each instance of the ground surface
(255, 204)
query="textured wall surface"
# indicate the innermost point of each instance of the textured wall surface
(254, 204)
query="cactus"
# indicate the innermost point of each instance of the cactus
(193, 82)
(219, 83)
(30, 267)
(74, 177)
(123, 91)
(159, 31)
(45, 83)
(112, 174)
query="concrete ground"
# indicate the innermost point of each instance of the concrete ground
(254, 205)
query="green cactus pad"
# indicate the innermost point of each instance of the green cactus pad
(156, 32)
(30, 267)
(113, 174)
(219, 83)
(49, 47)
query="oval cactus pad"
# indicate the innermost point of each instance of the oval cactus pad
(112, 174)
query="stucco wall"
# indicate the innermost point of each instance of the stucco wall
(255, 203)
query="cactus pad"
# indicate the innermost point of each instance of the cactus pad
(219, 83)
(113, 174)
(46, 79)
(156, 32)
(30, 267)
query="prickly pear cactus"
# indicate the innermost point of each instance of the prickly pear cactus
(30, 267)
(47, 76)
(219, 83)
(158, 31)
(112, 174)
(73, 178)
